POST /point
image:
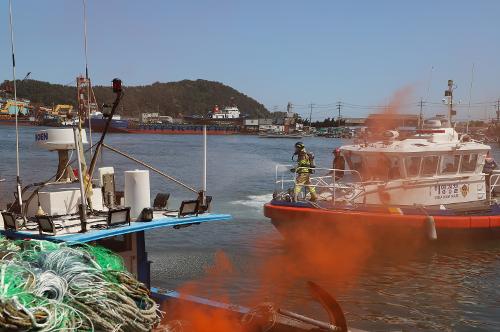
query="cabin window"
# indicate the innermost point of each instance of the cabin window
(412, 166)
(449, 164)
(429, 165)
(469, 162)
(355, 162)
(381, 167)
(394, 168)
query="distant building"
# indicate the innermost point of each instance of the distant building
(251, 125)
(251, 122)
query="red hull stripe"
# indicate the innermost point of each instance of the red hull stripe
(287, 213)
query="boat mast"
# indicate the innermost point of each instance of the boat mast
(87, 74)
(449, 93)
(18, 178)
(470, 96)
(204, 176)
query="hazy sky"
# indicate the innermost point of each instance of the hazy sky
(359, 52)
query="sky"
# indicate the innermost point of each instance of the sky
(321, 52)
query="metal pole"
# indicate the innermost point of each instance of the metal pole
(421, 115)
(83, 215)
(204, 179)
(470, 96)
(18, 177)
(87, 72)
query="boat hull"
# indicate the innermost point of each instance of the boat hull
(20, 122)
(129, 127)
(392, 225)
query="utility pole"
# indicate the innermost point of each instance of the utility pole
(421, 116)
(498, 111)
(339, 107)
(310, 117)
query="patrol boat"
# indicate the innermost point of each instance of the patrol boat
(58, 210)
(428, 186)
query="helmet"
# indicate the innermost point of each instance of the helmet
(299, 145)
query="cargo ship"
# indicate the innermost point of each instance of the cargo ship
(224, 122)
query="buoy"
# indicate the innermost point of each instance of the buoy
(40, 211)
(431, 228)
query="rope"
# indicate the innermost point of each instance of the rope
(47, 286)
(264, 316)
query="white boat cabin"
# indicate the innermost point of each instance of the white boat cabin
(228, 112)
(434, 167)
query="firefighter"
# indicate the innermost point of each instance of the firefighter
(338, 164)
(305, 165)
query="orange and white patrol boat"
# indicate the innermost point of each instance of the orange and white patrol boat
(429, 185)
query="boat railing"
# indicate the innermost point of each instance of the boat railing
(494, 183)
(331, 180)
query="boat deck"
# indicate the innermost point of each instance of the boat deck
(68, 229)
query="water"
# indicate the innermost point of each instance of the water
(444, 288)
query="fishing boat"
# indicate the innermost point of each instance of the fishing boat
(426, 186)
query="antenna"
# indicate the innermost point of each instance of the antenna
(470, 96)
(429, 83)
(18, 178)
(87, 74)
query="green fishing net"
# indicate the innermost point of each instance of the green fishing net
(46, 286)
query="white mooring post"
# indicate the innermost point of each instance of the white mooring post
(204, 179)
(80, 177)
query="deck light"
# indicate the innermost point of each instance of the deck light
(46, 225)
(10, 221)
(118, 217)
(189, 208)
(161, 201)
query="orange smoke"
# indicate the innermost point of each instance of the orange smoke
(390, 116)
(317, 253)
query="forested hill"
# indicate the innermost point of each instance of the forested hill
(175, 98)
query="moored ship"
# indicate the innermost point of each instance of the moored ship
(225, 122)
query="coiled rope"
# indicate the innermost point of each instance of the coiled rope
(46, 286)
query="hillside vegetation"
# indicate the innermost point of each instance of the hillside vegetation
(174, 98)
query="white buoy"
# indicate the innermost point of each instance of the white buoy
(137, 191)
(431, 228)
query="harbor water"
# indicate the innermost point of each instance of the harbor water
(438, 288)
